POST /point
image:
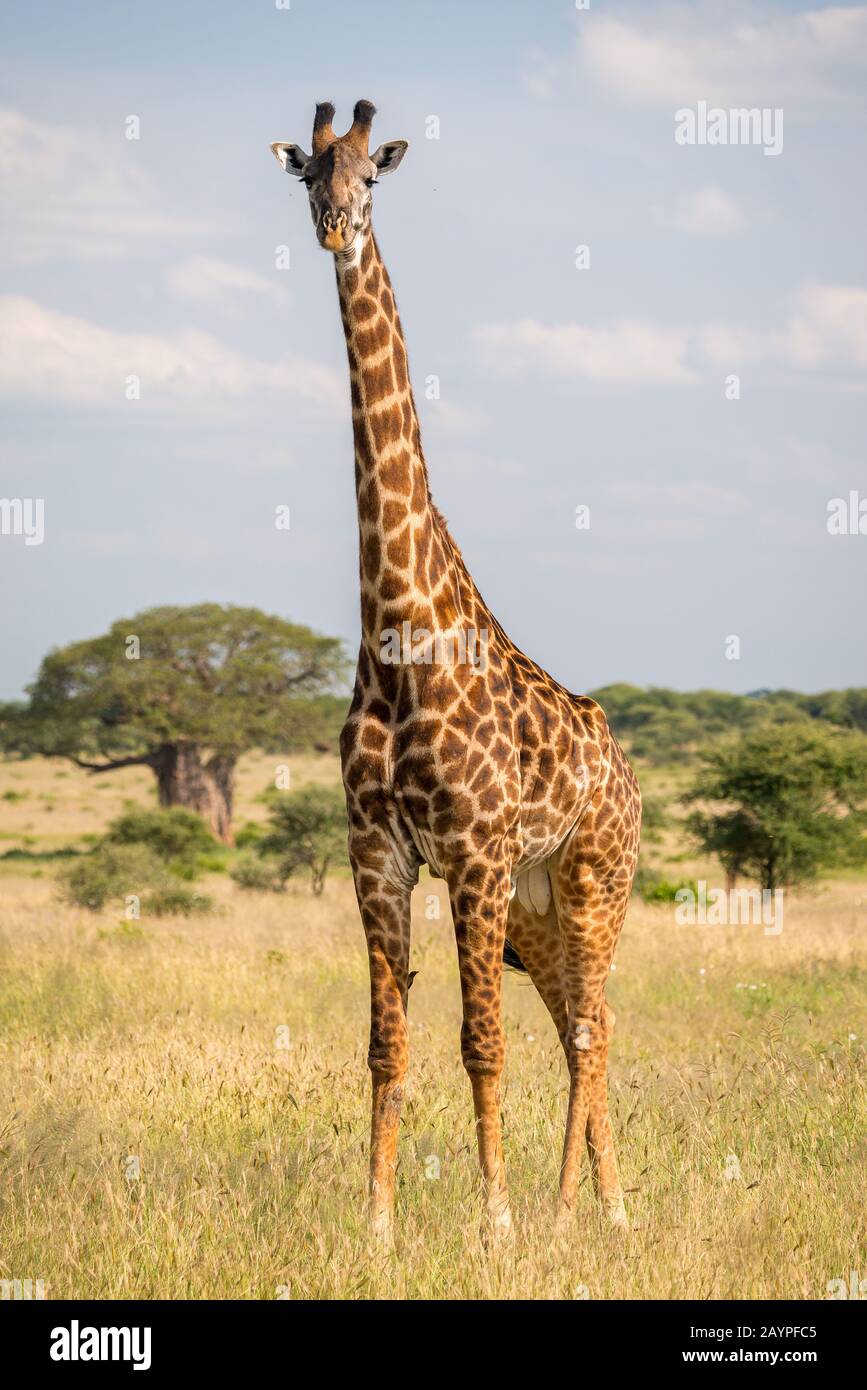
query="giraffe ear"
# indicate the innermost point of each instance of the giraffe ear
(388, 156)
(292, 157)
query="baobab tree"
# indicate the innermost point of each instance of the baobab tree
(183, 691)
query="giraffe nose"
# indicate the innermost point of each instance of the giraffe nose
(334, 220)
(334, 228)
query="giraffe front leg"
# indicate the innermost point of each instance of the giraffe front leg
(480, 907)
(385, 912)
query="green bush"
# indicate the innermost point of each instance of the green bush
(178, 836)
(654, 818)
(307, 831)
(111, 871)
(249, 834)
(653, 888)
(251, 872)
(213, 863)
(176, 901)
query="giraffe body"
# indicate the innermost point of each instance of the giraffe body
(459, 751)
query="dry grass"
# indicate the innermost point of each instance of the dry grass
(227, 1056)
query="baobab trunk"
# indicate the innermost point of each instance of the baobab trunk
(184, 780)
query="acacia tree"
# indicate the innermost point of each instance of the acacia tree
(308, 830)
(784, 802)
(183, 691)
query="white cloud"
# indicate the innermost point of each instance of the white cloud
(706, 211)
(758, 54)
(49, 356)
(75, 195)
(827, 329)
(826, 332)
(205, 279)
(631, 351)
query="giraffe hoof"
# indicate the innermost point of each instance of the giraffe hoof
(381, 1232)
(497, 1229)
(615, 1215)
(564, 1220)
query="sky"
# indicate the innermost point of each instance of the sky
(694, 379)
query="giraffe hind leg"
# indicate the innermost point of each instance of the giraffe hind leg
(533, 945)
(592, 893)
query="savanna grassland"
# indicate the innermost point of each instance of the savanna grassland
(184, 1102)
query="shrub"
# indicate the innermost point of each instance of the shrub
(308, 830)
(249, 834)
(177, 901)
(111, 871)
(251, 872)
(177, 835)
(654, 818)
(653, 888)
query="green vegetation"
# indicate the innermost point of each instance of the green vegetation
(251, 872)
(110, 872)
(654, 888)
(183, 691)
(146, 854)
(174, 900)
(176, 836)
(667, 726)
(793, 803)
(308, 831)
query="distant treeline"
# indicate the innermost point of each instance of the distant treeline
(667, 725)
(655, 723)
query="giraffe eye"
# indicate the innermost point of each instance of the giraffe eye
(308, 183)
(370, 182)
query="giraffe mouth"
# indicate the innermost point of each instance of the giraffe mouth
(334, 240)
(335, 233)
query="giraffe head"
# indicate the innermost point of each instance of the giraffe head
(340, 173)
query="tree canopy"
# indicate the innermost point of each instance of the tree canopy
(308, 830)
(785, 802)
(224, 677)
(667, 726)
(184, 691)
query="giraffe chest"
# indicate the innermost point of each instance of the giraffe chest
(450, 779)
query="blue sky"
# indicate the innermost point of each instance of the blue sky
(559, 387)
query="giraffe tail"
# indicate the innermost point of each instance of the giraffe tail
(511, 957)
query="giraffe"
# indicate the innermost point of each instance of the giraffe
(459, 751)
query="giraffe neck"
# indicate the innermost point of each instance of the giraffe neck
(406, 560)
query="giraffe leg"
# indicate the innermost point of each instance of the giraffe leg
(537, 941)
(588, 961)
(592, 892)
(600, 1137)
(480, 905)
(536, 938)
(385, 913)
